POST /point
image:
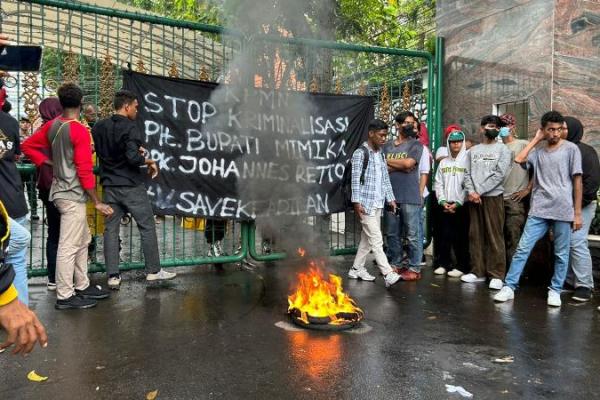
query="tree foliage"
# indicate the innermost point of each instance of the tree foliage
(389, 23)
(408, 24)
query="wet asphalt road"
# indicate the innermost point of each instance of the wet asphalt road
(212, 334)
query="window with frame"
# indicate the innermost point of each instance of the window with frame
(520, 109)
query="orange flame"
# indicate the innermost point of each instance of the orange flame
(301, 252)
(322, 298)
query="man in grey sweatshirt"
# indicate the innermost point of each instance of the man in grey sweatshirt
(488, 164)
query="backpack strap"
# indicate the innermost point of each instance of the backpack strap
(365, 163)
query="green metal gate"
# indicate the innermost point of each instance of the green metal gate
(90, 45)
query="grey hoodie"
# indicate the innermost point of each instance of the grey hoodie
(488, 164)
(450, 177)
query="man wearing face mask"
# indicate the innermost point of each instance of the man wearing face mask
(487, 166)
(402, 155)
(516, 188)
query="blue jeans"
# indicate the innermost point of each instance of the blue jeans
(406, 222)
(17, 255)
(535, 228)
(581, 260)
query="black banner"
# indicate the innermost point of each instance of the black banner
(230, 152)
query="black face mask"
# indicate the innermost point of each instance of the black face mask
(409, 131)
(492, 133)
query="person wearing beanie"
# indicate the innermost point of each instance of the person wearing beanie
(442, 151)
(580, 268)
(450, 191)
(517, 188)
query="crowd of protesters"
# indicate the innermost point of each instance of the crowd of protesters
(492, 202)
(62, 150)
(494, 196)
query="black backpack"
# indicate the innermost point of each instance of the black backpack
(347, 178)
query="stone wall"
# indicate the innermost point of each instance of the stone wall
(497, 51)
(576, 88)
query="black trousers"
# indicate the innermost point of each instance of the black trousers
(454, 236)
(53, 223)
(215, 230)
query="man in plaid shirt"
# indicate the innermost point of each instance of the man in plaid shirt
(368, 198)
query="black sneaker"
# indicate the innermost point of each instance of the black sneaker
(582, 294)
(93, 292)
(567, 288)
(75, 302)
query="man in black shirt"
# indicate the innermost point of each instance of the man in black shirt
(119, 149)
(12, 194)
(13, 198)
(580, 271)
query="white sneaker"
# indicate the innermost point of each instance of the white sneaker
(51, 286)
(471, 278)
(554, 298)
(391, 278)
(161, 275)
(439, 271)
(504, 294)
(114, 282)
(496, 284)
(362, 274)
(455, 273)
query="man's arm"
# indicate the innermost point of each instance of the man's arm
(521, 158)
(423, 179)
(357, 163)
(424, 169)
(132, 148)
(403, 165)
(21, 324)
(388, 190)
(577, 195)
(82, 158)
(521, 194)
(438, 186)
(34, 145)
(135, 153)
(469, 185)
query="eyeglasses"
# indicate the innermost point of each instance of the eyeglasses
(552, 130)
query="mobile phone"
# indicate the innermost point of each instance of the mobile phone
(20, 58)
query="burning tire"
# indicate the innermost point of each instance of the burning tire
(321, 304)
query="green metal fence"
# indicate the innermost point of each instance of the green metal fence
(91, 45)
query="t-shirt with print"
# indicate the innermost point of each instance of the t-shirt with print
(11, 185)
(405, 184)
(553, 171)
